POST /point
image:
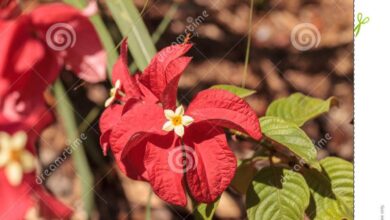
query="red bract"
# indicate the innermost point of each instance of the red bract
(35, 46)
(125, 88)
(144, 144)
(9, 9)
(17, 201)
(21, 194)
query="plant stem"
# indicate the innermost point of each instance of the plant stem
(248, 45)
(149, 205)
(92, 115)
(65, 112)
(164, 23)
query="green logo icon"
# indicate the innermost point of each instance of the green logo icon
(360, 22)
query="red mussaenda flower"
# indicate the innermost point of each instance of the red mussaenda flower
(144, 131)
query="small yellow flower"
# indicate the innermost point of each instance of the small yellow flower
(114, 93)
(176, 120)
(14, 158)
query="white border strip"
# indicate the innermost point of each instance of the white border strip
(372, 112)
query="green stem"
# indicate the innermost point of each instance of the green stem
(165, 22)
(248, 45)
(144, 8)
(65, 112)
(149, 205)
(92, 115)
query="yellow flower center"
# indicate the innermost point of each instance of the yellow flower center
(176, 120)
(15, 155)
(114, 93)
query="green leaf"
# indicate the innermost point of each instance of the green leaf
(238, 91)
(290, 136)
(331, 190)
(244, 175)
(130, 24)
(298, 108)
(277, 193)
(206, 211)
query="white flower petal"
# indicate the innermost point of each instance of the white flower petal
(118, 84)
(187, 120)
(169, 114)
(179, 130)
(14, 173)
(5, 147)
(179, 110)
(5, 141)
(168, 126)
(4, 157)
(19, 140)
(109, 101)
(28, 161)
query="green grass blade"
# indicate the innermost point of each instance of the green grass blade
(65, 111)
(165, 22)
(248, 46)
(108, 43)
(131, 25)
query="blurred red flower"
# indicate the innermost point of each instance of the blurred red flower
(22, 196)
(35, 46)
(9, 9)
(138, 123)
